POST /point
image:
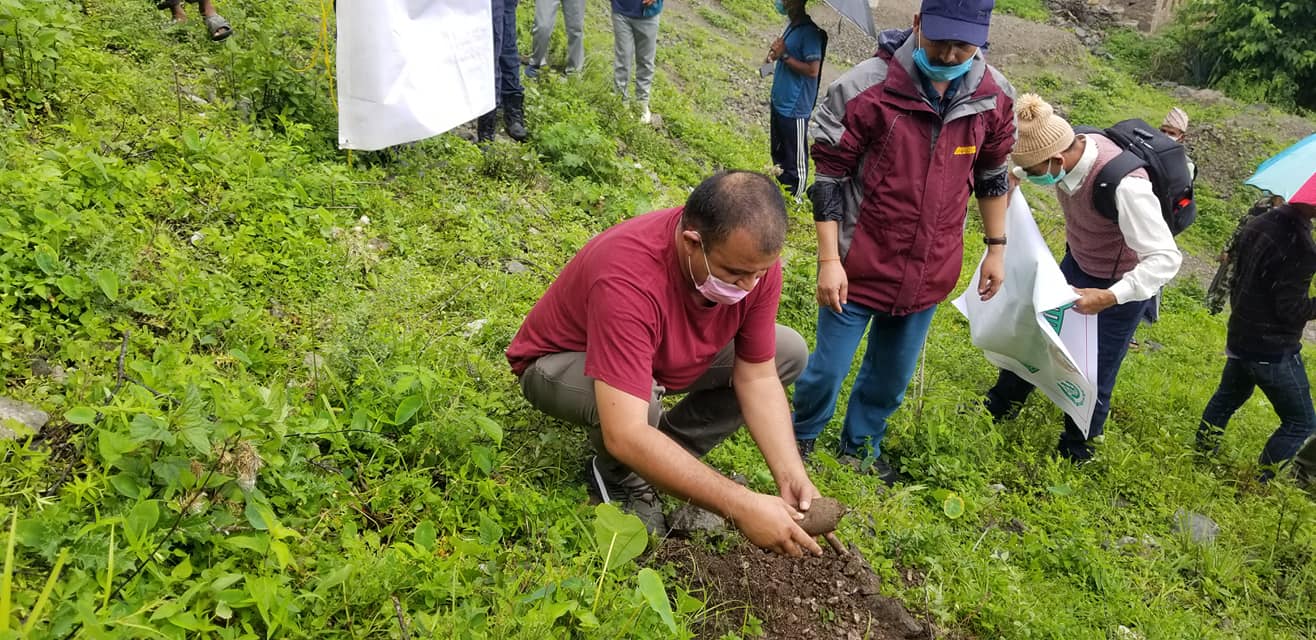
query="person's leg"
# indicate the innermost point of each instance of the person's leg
(541, 34)
(1007, 396)
(623, 53)
(512, 94)
(573, 15)
(486, 126)
(815, 392)
(1304, 463)
(1235, 388)
(1285, 385)
(894, 343)
(1115, 328)
(646, 48)
(556, 384)
(801, 156)
(787, 147)
(776, 142)
(710, 411)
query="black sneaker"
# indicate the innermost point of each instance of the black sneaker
(806, 448)
(870, 466)
(633, 495)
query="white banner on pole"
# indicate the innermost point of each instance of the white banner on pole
(411, 69)
(1030, 327)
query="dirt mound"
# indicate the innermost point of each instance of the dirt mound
(826, 597)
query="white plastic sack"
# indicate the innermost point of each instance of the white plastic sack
(411, 69)
(1030, 327)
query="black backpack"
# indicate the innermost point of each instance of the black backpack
(1166, 162)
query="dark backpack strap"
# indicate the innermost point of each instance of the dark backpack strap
(1108, 179)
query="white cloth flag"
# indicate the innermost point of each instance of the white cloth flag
(1030, 327)
(411, 69)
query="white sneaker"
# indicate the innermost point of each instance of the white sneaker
(645, 116)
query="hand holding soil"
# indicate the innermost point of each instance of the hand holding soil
(769, 523)
(823, 516)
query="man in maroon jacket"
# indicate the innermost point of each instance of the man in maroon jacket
(901, 140)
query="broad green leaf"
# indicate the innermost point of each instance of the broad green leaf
(70, 286)
(651, 587)
(490, 531)
(407, 408)
(555, 610)
(424, 535)
(141, 520)
(620, 536)
(1060, 489)
(336, 577)
(953, 506)
(80, 415)
(191, 140)
(108, 281)
(112, 445)
(491, 429)
(182, 570)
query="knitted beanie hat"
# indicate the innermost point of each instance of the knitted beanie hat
(1177, 118)
(1042, 133)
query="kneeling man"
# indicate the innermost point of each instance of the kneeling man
(678, 301)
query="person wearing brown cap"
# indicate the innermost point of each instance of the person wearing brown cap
(1275, 259)
(1115, 266)
(1175, 125)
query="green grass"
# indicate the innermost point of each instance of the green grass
(1034, 10)
(362, 364)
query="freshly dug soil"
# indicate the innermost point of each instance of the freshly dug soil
(833, 597)
(823, 516)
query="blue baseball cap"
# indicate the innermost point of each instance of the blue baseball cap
(963, 20)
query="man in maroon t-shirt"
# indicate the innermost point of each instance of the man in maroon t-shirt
(682, 300)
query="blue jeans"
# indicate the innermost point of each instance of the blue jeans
(1115, 327)
(1284, 382)
(507, 62)
(894, 343)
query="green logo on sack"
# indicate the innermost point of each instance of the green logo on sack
(1073, 392)
(1056, 317)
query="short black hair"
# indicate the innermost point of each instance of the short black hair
(731, 200)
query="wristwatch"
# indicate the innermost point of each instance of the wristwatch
(988, 240)
(784, 56)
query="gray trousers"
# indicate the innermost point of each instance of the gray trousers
(634, 43)
(709, 413)
(573, 16)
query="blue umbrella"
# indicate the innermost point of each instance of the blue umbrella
(1286, 172)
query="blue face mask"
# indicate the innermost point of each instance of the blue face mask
(1048, 179)
(937, 72)
(780, 5)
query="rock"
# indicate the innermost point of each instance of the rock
(378, 245)
(996, 487)
(313, 361)
(689, 519)
(41, 368)
(23, 413)
(473, 327)
(1200, 529)
(513, 266)
(1080, 32)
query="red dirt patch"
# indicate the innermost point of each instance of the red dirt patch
(826, 597)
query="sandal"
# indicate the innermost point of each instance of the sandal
(218, 27)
